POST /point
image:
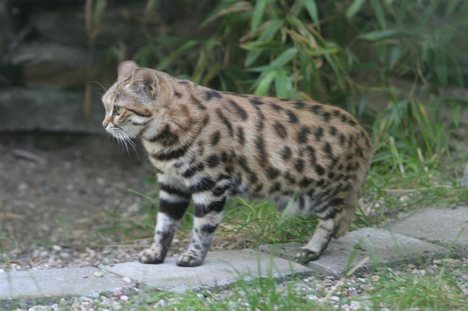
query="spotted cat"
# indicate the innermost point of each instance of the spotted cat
(208, 145)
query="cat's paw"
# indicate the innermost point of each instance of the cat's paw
(189, 260)
(151, 256)
(306, 255)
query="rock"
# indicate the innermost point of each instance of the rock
(379, 245)
(47, 109)
(42, 63)
(220, 268)
(57, 282)
(115, 24)
(444, 226)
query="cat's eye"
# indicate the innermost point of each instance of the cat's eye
(117, 110)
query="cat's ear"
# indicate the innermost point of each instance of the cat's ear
(126, 68)
(145, 83)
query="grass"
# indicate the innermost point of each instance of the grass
(437, 291)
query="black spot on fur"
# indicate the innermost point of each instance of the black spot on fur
(327, 148)
(319, 169)
(275, 188)
(258, 188)
(318, 133)
(197, 103)
(326, 116)
(165, 137)
(302, 134)
(224, 156)
(272, 172)
(286, 153)
(289, 178)
(299, 105)
(240, 136)
(201, 210)
(174, 154)
(311, 155)
(174, 210)
(305, 182)
(292, 117)
(212, 94)
(342, 139)
(190, 172)
(177, 94)
(333, 131)
(212, 161)
(335, 202)
(174, 191)
(239, 110)
(225, 120)
(352, 123)
(204, 184)
(209, 228)
(299, 165)
(276, 107)
(262, 155)
(253, 178)
(214, 138)
(280, 130)
(315, 109)
(220, 190)
(256, 102)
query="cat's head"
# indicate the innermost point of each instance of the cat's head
(133, 101)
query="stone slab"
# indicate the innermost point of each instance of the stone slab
(381, 246)
(445, 226)
(57, 283)
(220, 268)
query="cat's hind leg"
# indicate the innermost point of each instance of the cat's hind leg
(329, 219)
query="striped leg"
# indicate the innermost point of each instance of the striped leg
(208, 214)
(173, 203)
(328, 223)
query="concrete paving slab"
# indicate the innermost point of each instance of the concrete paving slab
(220, 268)
(87, 281)
(445, 226)
(382, 246)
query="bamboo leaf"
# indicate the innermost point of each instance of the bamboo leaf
(311, 7)
(284, 58)
(379, 13)
(283, 85)
(258, 13)
(384, 35)
(236, 7)
(354, 8)
(265, 82)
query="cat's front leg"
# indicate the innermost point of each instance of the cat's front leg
(208, 210)
(173, 203)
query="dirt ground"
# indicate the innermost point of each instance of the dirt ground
(55, 188)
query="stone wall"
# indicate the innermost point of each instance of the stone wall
(47, 58)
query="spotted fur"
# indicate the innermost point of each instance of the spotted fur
(207, 145)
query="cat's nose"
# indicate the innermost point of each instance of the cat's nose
(106, 122)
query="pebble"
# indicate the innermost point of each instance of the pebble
(98, 274)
